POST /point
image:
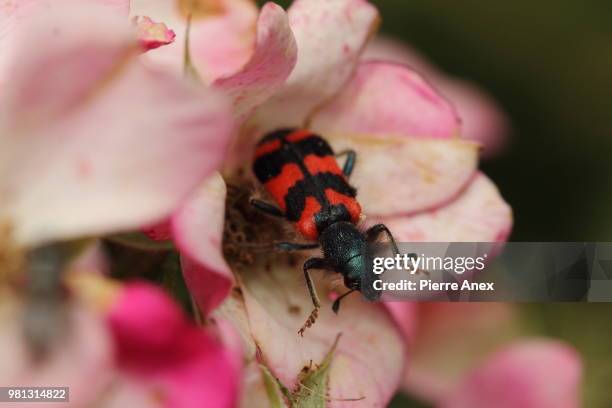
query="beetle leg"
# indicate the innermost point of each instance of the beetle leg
(266, 208)
(374, 232)
(295, 246)
(312, 263)
(349, 164)
(336, 305)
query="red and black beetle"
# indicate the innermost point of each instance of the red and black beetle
(299, 170)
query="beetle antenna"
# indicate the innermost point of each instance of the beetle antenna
(336, 305)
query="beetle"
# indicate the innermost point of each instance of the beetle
(299, 170)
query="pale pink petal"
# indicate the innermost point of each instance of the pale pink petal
(105, 143)
(219, 44)
(405, 316)
(369, 358)
(13, 13)
(153, 35)
(121, 6)
(197, 230)
(528, 374)
(402, 176)
(82, 360)
(389, 99)
(272, 61)
(482, 120)
(477, 214)
(330, 36)
(448, 339)
(159, 348)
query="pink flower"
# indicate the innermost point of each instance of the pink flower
(90, 139)
(311, 75)
(482, 120)
(126, 344)
(472, 355)
(177, 363)
(90, 132)
(529, 374)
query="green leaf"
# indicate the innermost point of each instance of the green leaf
(314, 384)
(274, 389)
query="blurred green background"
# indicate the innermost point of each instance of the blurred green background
(549, 66)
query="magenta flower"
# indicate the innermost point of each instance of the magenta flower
(127, 344)
(173, 361)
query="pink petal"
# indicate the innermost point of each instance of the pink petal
(272, 61)
(477, 214)
(121, 145)
(82, 360)
(121, 6)
(531, 374)
(405, 316)
(369, 359)
(220, 45)
(330, 36)
(197, 229)
(153, 35)
(448, 339)
(14, 13)
(482, 120)
(184, 365)
(385, 98)
(397, 176)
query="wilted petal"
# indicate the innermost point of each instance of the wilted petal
(477, 214)
(153, 35)
(220, 44)
(387, 98)
(119, 145)
(369, 358)
(398, 176)
(179, 362)
(448, 339)
(197, 230)
(528, 374)
(330, 36)
(271, 63)
(82, 360)
(482, 120)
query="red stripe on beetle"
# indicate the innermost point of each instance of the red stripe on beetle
(298, 135)
(267, 147)
(350, 203)
(306, 224)
(327, 164)
(280, 185)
